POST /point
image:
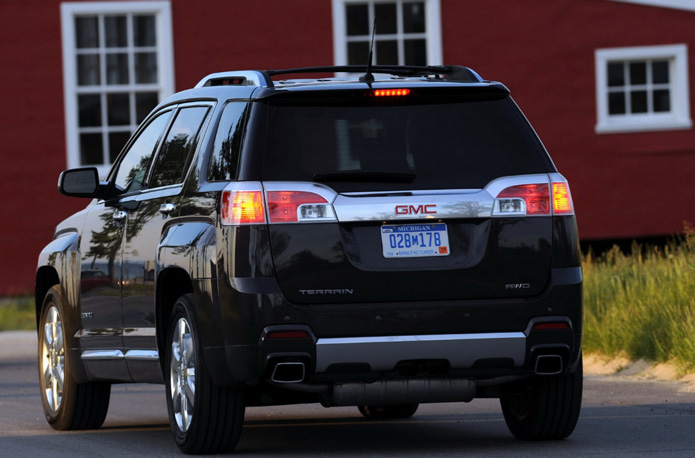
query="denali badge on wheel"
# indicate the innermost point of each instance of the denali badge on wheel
(380, 242)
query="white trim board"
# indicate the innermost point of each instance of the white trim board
(687, 5)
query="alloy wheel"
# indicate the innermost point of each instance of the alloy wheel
(182, 374)
(53, 359)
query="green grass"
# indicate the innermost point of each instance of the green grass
(642, 304)
(17, 313)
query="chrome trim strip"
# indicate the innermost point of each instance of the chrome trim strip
(557, 178)
(99, 332)
(140, 332)
(428, 205)
(383, 353)
(102, 354)
(133, 355)
(142, 355)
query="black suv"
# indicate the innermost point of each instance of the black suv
(379, 241)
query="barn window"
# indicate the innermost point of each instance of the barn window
(408, 32)
(118, 65)
(642, 89)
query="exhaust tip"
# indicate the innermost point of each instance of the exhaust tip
(548, 365)
(288, 372)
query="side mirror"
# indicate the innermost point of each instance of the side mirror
(83, 182)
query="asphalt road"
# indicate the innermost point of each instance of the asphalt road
(620, 417)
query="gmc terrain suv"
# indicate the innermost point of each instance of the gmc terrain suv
(379, 241)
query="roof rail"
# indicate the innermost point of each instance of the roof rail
(237, 78)
(263, 78)
(450, 72)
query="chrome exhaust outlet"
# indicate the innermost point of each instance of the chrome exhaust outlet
(548, 365)
(288, 372)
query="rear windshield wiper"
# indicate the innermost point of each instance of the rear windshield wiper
(360, 176)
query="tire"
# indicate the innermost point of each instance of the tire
(389, 412)
(545, 407)
(204, 418)
(67, 405)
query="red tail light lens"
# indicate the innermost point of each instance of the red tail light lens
(562, 200)
(550, 326)
(535, 197)
(284, 206)
(390, 92)
(242, 207)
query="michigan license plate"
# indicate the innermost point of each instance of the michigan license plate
(414, 240)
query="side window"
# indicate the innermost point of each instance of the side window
(133, 168)
(177, 149)
(225, 154)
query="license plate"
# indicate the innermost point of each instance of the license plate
(414, 240)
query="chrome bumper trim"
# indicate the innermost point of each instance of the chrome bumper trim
(384, 353)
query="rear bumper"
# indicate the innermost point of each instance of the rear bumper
(475, 340)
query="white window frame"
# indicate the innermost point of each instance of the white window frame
(433, 30)
(165, 61)
(677, 118)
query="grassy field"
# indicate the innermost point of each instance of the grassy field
(642, 304)
(17, 313)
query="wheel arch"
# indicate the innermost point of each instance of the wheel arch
(59, 264)
(46, 277)
(172, 283)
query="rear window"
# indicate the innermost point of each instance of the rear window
(464, 144)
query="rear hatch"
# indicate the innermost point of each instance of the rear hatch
(409, 195)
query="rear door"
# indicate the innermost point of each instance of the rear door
(407, 199)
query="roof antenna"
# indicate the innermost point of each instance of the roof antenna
(368, 77)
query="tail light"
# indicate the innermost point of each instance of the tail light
(531, 195)
(242, 207)
(295, 206)
(562, 200)
(286, 202)
(526, 199)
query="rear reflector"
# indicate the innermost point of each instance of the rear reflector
(525, 199)
(242, 207)
(288, 335)
(390, 92)
(550, 326)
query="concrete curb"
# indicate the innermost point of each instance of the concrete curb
(18, 345)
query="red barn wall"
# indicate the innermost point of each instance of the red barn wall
(624, 185)
(32, 129)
